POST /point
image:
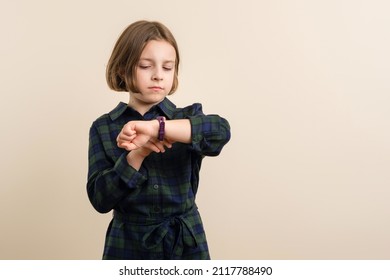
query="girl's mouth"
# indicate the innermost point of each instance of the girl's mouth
(156, 88)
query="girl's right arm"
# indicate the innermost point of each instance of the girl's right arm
(110, 181)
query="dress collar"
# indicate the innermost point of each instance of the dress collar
(166, 106)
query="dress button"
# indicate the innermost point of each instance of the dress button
(156, 187)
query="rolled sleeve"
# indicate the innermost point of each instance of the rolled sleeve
(209, 134)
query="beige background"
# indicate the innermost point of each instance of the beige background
(304, 84)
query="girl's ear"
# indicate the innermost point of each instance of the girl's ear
(121, 78)
(121, 73)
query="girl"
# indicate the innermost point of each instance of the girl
(145, 156)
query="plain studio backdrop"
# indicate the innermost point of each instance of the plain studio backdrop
(304, 85)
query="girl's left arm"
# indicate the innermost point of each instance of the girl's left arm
(206, 133)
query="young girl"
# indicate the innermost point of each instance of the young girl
(145, 156)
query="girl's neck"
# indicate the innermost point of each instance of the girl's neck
(139, 106)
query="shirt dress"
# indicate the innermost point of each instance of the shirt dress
(154, 211)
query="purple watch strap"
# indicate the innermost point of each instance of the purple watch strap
(161, 129)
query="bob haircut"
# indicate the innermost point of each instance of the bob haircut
(122, 65)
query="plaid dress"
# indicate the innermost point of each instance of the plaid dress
(154, 210)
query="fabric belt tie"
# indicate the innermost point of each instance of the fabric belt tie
(158, 229)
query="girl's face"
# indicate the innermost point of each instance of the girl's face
(155, 73)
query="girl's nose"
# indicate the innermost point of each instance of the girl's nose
(157, 76)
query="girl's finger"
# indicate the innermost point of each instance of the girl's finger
(168, 144)
(127, 146)
(149, 145)
(158, 144)
(128, 131)
(124, 138)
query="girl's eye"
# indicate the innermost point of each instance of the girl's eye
(167, 68)
(144, 66)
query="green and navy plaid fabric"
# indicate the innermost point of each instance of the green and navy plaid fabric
(155, 215)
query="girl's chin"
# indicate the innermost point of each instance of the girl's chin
(150, 100)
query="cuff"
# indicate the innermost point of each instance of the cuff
(131, 177)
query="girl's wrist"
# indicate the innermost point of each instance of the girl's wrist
(155, 124)
(135, 159)
(140, 153)
(161, 128)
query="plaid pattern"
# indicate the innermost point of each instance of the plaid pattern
(155, 215)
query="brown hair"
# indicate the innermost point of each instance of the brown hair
(121, 68)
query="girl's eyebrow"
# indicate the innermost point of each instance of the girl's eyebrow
(152, 60)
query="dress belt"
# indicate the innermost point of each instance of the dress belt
(158, 229)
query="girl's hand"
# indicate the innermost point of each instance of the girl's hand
(136, 157)
(136, 134)
(145, 150)
(152, 146)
